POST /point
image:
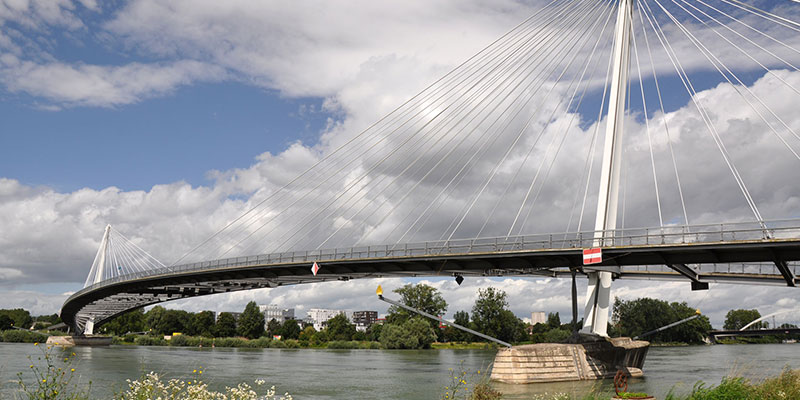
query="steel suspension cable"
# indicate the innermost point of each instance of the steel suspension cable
(706, 119)
(311, 219)
(664, 117)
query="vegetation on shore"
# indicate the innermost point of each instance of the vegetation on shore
(490, 314)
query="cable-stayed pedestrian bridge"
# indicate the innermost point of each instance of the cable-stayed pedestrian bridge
(673, 112)
(729, 253)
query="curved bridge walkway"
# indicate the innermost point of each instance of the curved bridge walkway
(731, 253)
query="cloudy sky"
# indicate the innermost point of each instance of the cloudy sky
(169, 119)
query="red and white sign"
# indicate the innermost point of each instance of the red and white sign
(592, 256)
(314, 268)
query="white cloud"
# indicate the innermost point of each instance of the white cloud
(103, 86)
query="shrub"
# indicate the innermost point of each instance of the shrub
(147, 340)
(343, 344)
(229, 342)
(20, 336)
(150, 386)
(467, 385)
(292, 343)
(199, 341)
(179, 340)
(53, 380)
(369, 345)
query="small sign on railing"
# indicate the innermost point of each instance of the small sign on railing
(592, 256)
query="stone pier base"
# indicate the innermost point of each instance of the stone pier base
(69, 341)
(594, 358)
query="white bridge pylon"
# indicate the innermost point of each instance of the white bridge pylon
(119, 256)
(598, 297)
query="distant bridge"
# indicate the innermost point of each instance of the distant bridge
(753, 332)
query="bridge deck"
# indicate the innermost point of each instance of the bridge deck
(717, 257)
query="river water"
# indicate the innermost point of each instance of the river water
(386, 374)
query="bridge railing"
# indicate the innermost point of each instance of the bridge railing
(666, 235)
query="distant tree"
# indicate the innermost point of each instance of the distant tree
(340, 328)
(5, 322)
(360, 336)
(635, 317)
(374, 332)
(132, 321)
(225, 326)
(462, 318)
(553, 320)
(273, 327)
(153, 318)
(202, 324)
(290, 329)
(737, 319)
(491, 316)
(251, 322)
(320, 337)
(414, 333)
(52, 319)
(173, 321)
(22, 318)
(421, 297)
(307, 334)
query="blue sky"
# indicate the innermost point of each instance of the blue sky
(209, 126)
(167, 119)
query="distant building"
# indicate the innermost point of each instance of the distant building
(319, 316)
(273, 311)
(234, 314)
(538, 317)
(363, 319)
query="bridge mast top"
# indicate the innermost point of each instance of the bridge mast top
(599, 291)
(97, 273)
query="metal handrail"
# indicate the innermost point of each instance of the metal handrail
(666, 235)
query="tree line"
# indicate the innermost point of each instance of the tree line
(490, 314)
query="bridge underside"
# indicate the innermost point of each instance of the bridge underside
(756, 262)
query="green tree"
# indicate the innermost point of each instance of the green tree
(251, 322)
(22, 318)
(132, 321)
(491, 316)
(553, 320)
(635, 317)
(413, 333)
(290, 329)
(5, 322)
(202, 324)
(52, 319)
(340, 328)
(307, 334)
(374, 332)
(462, 318)
(421, 297)
(172, 321)
(737, 319)
(320, 337)
(153, 318)
(273, 327)
(225, 326)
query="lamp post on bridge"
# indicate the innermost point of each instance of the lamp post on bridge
(598, 296)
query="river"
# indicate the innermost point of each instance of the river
(385, 374)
